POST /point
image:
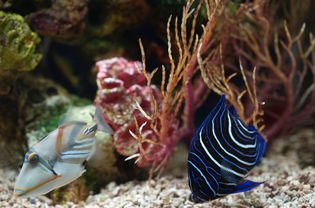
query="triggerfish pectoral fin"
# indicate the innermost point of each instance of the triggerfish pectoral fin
(246, 186)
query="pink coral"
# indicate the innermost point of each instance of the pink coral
(120, 86)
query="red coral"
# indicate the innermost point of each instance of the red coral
(121, 85)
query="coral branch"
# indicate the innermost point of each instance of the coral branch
(181, 90)
(282, 65)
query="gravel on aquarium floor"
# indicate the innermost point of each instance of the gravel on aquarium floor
(286, 185)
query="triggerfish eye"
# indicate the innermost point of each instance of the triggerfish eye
(33, 158)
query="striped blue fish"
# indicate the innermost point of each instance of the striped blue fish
(60, 157)
(222, 152)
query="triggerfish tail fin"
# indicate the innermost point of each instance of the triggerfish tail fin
(102, 124)
(246, 186)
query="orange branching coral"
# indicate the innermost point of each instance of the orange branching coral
(183, 88)
(284, 68)
(215, 77)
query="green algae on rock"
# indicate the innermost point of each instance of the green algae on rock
(75, 192)
(17, 44)
(49, 114)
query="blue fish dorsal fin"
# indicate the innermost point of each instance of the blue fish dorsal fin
(251, 128)
(246, 185)
(233, 111)
(221, 103)
(262, 147)
(218, 105)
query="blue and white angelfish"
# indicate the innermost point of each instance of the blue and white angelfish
(221, 153)
(59, 158)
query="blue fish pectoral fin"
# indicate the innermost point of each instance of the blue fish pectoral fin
(226, 175)
(246, 186)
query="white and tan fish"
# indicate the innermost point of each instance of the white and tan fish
(59, 158)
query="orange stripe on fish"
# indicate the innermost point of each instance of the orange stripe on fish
(59, 139)
(39, 185)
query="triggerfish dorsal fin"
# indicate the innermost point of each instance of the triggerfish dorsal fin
(68, 123)
(100, 121)
(246, 185)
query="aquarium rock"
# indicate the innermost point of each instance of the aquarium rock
(63, 20)
(23, 101)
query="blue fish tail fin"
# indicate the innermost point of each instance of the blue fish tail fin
(246, 186)
(99, 120)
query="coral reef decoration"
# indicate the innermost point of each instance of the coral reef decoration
(117, 16)
(63, 20)
(149, 122)
(274, 58)
(17, 44)
(122, 87)
(5, 4)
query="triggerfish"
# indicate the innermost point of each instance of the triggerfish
(222, 152)
(60, 157)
